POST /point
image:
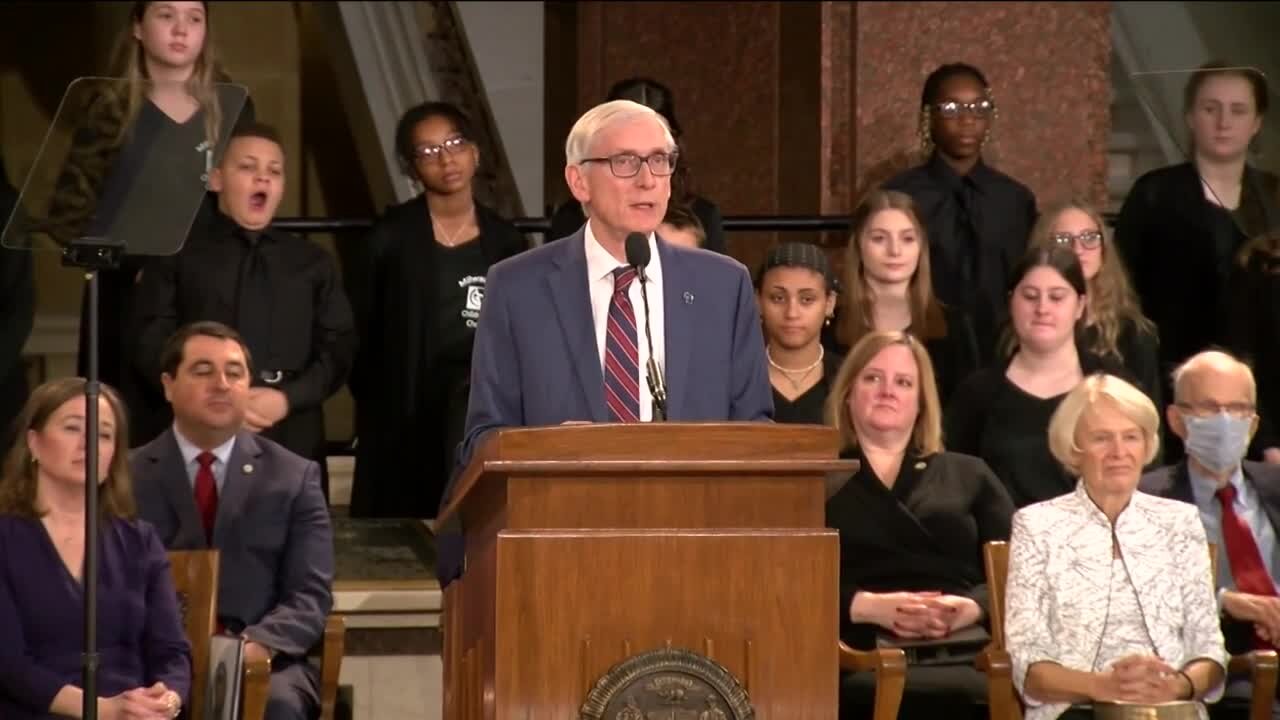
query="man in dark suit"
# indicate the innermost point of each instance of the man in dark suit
(1214, 413)
(208, 483)
(561, 336)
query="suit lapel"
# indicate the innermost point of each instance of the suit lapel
(1256, 475)
(241, 476)
(175, 482)
(677, 304)
(571, 293)
(1180, 484)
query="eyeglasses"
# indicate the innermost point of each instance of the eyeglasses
(627, 165)
(1240, 410)
(953, 109)
(1089, 239)
(453, 146)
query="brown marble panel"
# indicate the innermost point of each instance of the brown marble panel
(1048, 65)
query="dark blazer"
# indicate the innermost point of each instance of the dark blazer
(272, 531)
(1179, 250)
(1174, 482)
(140, 634)
(395, 322)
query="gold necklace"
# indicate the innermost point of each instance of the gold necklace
(795, 377)
(451, 239)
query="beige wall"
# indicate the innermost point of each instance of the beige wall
(43, 46)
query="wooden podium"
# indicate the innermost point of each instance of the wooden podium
(589, 544)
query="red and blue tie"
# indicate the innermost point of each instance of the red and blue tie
(621, 354)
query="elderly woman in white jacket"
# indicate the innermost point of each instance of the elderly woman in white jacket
(1109, 593)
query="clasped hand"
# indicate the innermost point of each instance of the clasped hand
(149, 703)
(266, 407)
(1140, 679)
(926, 615)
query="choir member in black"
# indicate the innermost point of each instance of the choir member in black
(17, 313)
(912, 523)
(681, 227)
(888, 286)
(1180, 226)
(1001, 413)
(168, 103)
(648, 92)
(425, 283)
(1114, 326)
(796, 291)
(978, 218)
(281, 292)
(1253, 333)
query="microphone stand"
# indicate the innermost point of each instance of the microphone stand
(94, 254)
(657, 388)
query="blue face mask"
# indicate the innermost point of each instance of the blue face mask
(1218, 441)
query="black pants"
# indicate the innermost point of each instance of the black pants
(932, 692)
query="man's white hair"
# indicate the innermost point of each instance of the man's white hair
(578, 147)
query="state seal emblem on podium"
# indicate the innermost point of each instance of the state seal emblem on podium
(667, 684)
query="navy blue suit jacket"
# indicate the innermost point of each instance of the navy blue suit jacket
(536, 360)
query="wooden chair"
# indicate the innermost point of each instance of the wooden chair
(890, 667)
(195, 577)
(257, 675)
(1260, 665)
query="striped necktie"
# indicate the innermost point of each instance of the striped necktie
(621, 354)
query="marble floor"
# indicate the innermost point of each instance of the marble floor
(394, 687)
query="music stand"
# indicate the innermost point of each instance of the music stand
(109, 181)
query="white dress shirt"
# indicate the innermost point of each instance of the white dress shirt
(190, 453)
(600, 267)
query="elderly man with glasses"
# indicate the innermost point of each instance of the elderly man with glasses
(1215, 414)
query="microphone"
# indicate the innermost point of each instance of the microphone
(638, 257)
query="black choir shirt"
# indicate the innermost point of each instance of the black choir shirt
(459, 296)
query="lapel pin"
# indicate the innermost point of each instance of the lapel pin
(248, 469)
(688, 298)
(920, 465)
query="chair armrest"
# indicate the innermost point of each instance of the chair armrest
(1001, 699)
(890, 667)
(1262, 668)
(334, 645)
(255, 688)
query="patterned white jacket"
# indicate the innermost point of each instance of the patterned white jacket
(1060, 563)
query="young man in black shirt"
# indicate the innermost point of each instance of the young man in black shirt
(281, 292)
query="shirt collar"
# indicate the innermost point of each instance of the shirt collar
(600, 264)
(190, 451)
(938, 168)
(1205, 489)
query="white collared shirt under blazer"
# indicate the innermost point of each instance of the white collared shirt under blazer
(1061, 578)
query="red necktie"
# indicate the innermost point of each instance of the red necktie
(206, 493)
(621, 356)
(1247, 568)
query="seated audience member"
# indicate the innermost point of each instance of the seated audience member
(569, 217)
(912, 524)
(797, 294)
(1114, 326)
(1253, 332)
(1214, 412)
(280, 292)
(423, 287)
(978, 218)
(209, 483)
(144, 665)
(1001, 413)
(888, 286)
(682, 227)
(1109, 596)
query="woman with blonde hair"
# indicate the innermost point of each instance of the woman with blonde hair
(1113, 326)
(1109, 595)
(889, 286)
(144, 658)
(912, 523)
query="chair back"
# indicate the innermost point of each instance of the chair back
(195, 577)
(995, 558)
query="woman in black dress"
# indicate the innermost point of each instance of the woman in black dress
(170, 116)
(797, 294)
(568, 218)
(1114, 326)
(978, 218)
(1181, 225)
(423, 289)
(888, 286)
(912, 523)
(1001, 413)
